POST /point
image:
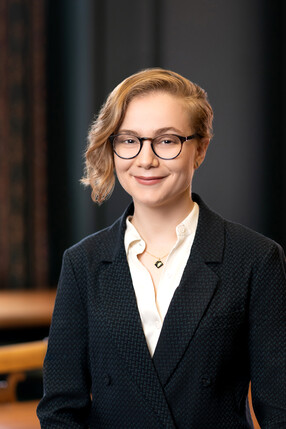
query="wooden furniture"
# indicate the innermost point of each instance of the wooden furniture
(24, 309)
(19, 415)
(15, 360)
(255, 422)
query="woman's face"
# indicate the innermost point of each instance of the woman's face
(149, 180)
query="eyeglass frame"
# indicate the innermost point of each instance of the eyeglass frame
(142, 139)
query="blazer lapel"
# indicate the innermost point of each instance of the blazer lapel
(189, 304)
(123, 320)
(192, 298)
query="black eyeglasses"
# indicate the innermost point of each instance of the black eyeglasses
(166, 146)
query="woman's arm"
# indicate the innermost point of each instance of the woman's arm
(267, 345)
(66, 399)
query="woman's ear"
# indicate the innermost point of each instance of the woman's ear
(202, 147)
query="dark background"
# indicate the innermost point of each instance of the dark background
(234, 49)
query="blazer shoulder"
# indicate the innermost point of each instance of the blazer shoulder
(104, 244)
(248, 240)
(217, 235)
(99, 245)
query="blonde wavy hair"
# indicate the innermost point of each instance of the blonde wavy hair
(99, 162)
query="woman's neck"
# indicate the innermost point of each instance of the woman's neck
(157, 225)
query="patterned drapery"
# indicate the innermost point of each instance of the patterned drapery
(23, 180)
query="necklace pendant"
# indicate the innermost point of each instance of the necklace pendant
(158, 264)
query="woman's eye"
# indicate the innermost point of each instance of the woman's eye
(126, 140)
(167, 141)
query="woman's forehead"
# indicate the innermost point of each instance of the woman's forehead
(156, 111)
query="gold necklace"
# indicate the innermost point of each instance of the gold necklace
(158, 263)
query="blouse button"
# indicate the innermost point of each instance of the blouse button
(181, 229)
(158, 324)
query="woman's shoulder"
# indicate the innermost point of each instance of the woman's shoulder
(237, 236)
(96, 243)
(248, 239)
(101, 244)
(250, 248)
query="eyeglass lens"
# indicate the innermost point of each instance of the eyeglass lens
(166, 146)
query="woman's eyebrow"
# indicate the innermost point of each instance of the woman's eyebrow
(167, 129)
(155, 132)
(128, 132)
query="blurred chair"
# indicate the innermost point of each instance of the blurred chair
(255, 422)
(16, 362)
(26, 309)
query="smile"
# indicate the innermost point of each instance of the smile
(148, 180)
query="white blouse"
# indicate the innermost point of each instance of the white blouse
(152, 319)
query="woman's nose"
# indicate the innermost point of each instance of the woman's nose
(147, 157)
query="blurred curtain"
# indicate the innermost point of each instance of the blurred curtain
(23, 180)
(234, 49)
(59, 60)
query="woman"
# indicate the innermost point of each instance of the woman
(162, 319)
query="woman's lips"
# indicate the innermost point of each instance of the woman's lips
(148, 180)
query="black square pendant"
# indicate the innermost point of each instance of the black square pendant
(158, 264)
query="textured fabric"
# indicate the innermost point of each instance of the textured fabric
(226, 324)
(153, 309)
(24, 241)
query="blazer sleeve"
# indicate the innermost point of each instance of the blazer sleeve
(267, 340)
(66, 400)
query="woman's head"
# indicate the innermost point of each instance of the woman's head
(99, 156)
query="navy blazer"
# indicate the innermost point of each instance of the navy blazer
(226, 324)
